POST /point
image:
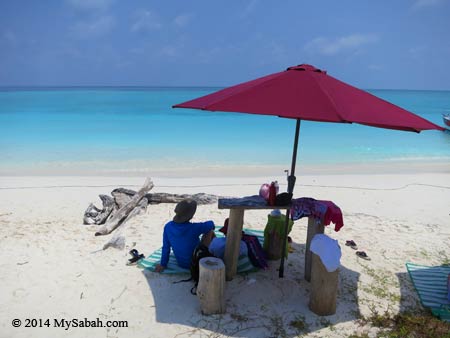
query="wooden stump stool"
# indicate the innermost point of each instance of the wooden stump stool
(324, 285)
(211, 285)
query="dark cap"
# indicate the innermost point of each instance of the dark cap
(184, 211)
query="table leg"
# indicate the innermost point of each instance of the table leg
(313, 228)
(234, 235)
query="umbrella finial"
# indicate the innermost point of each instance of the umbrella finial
(306, 67)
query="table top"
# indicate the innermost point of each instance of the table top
(250, 207)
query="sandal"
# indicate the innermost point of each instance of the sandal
(136, 257)
(363, 255)
(351, 244)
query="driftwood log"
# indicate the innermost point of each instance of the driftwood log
(94, 215)
(112, 223)
(125, 204)
(118, 239)
(122, 196)
(163, 197)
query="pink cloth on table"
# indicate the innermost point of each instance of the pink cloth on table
(324, 211)
(333, 214)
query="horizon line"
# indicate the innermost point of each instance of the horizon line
(166, 87)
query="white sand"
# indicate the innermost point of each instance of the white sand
(48, 268)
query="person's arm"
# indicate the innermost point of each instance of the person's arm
(164, 254)
(205, 227)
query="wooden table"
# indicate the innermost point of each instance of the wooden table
(234, 234)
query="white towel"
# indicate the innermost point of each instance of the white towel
(328, 250)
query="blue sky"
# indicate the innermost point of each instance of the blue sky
(403, 44)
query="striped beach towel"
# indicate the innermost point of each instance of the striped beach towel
(244, 264)
(430, 283)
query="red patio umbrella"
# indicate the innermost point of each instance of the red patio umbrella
(304, 92)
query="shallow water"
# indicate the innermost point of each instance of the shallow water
(137, 128)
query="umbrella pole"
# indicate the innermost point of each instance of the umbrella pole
(291, 184)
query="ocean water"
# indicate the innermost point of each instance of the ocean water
(135, 129)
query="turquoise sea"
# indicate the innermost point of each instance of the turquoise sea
(135, 129)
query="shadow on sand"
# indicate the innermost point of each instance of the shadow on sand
(409, 300)
(258, 304)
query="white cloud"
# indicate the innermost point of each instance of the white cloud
(146, 21)
(419, 4)
(93, 28)
(90, 4)
(326, 46)
(183, 20)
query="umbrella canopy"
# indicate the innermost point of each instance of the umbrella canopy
(305, 92)
(308, 93)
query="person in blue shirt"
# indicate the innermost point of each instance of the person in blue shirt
(183, 236)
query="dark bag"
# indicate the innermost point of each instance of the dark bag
(201, 251)
(256, 253)
(283, 199)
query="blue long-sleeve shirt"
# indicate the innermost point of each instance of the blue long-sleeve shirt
(182, 238)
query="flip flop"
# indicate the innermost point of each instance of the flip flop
(363, 255)
(136, 257)
(351, 244)
(133, 252)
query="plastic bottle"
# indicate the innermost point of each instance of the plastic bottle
(272, 193)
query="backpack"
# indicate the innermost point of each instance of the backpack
(201, 251)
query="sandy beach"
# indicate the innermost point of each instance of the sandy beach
(51, 266)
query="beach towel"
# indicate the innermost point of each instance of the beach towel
(430, 283)
(244, 263)
(325, 212)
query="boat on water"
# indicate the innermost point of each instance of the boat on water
(446, 118)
